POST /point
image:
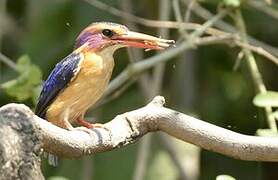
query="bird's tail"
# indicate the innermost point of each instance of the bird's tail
(53, 160)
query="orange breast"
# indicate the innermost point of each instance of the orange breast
(83, 91)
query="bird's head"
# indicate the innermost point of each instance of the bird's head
(102, 35)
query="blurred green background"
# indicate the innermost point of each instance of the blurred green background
(200, 82)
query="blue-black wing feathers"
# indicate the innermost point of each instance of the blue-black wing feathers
(59, 78)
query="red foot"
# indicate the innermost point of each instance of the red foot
(89, 125)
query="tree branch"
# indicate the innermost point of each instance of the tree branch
(20, 146)
(253, 67)
(205, 14)
(197, 9)
(149, 22)
(127, 128)
(8, 62)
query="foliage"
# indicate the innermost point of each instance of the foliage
(232, 3)
(266, 132)
(269, 98)
(57, 178)
(28, 83)
(224, 177)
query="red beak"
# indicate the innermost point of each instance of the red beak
(140, 40)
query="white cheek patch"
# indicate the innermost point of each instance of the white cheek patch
(99, 63)
(97, 60)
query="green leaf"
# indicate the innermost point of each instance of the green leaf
(269, 98)
(225, 177)
(275, 114)
(23, 63)
(232, 3)
(25, 85)
(266, 133)
(57, 178)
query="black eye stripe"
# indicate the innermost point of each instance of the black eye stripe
(108, 33)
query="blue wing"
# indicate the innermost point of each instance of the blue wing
(59, 78)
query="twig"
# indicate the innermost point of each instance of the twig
(233, 39)
(2, 15)
(255, 73)
(188, 10)
(257, 50)
(170, 147)
(208, 23)
(141, 164)
(199, 10)
(202, 12)
(149, 22)
(158, 75)
(178, 16)
(135, 55)
(142, 158)
(127, 128)
(87, 168)
(238, 61)
(209, 40)
(141, 66)
(145, 64)
(115, 94)
(264, 8)
(8, 62)
(165, 56)
(205, 14)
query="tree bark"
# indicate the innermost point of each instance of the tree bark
(21, 132)
(20, 144)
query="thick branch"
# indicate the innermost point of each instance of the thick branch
(129, 127)
(20, 144)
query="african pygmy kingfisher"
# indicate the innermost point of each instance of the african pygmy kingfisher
(79, 80)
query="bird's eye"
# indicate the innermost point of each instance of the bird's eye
(108, 33)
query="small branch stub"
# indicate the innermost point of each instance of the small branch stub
(158, 101)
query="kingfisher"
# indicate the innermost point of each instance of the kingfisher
(79, 80)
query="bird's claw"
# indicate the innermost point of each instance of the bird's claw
(98, 125)
(90, 125)
(84, 129)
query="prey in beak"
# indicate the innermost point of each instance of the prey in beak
(140, 40)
